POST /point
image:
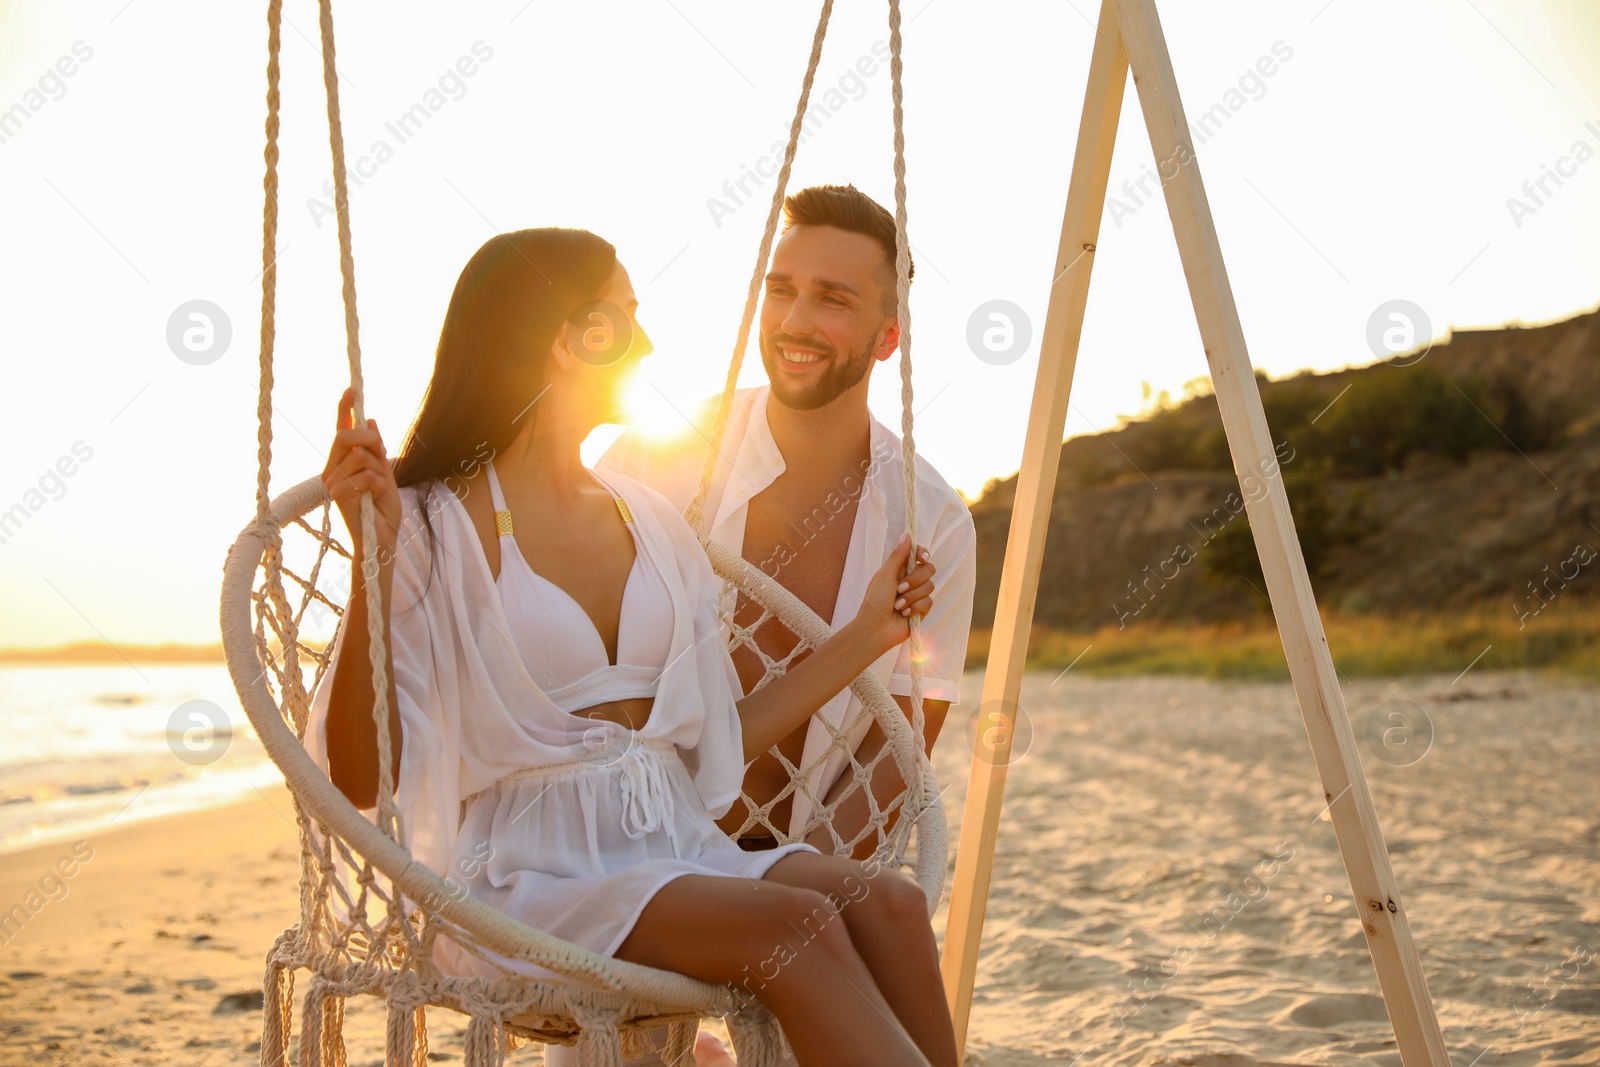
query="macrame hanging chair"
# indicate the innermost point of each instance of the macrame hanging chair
(369, 912)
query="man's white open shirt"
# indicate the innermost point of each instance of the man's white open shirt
(750, 461)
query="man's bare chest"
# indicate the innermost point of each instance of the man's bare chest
(802, 539)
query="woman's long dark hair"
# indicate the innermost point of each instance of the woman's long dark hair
(512, 298)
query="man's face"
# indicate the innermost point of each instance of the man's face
(823, 321)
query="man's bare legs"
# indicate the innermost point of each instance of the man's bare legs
(775, 940)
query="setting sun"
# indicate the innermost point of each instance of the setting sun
(652, 411)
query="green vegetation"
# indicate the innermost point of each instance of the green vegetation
(1321, 522)
(1330, 430)
(1386, 418)
(1370, 425)
(1565, 639)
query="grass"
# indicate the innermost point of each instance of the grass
(1563, 638)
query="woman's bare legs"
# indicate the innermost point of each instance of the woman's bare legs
(887, 916)
(769, 938)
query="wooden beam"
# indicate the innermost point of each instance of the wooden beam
(1316, 686)
(1030, 515)
(1133, 25)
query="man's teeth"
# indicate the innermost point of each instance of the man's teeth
(800, 357)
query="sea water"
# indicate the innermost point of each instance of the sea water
(87, 746)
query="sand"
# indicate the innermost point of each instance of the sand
(1141, 805)
(160, 935)
(1136, 809)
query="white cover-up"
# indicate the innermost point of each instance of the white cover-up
(568, 823)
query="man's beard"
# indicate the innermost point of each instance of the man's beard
(837, 377)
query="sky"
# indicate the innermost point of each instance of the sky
(1384, 157)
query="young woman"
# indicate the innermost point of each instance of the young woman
(565, 720)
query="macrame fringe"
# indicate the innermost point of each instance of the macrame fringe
(599, 1047)
(277, 1012)
(485, 1042)
(679, 1050)
(406, 1037)
(599, 1039)
(758, 1040)
(637, 1042)
(322, 1036)
(421, 1029)
(310, 1035)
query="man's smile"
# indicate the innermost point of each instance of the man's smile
(801, 355)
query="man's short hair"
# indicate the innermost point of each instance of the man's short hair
(844, 207)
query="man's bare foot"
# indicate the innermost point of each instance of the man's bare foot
(709, 1051)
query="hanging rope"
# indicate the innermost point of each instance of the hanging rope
(272, 548)
(269, 273)
(388, 815)
(377, 644)
(902, 286)
(695, 512)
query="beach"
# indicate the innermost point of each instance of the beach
(1165, 889)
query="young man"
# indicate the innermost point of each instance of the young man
(810, 487)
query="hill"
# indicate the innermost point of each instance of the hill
(1466, 476)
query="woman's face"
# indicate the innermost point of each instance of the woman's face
(603, 345)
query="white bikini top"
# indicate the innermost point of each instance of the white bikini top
(558, 640)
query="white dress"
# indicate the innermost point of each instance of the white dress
(570, 824)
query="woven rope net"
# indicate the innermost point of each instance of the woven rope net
(369, 913)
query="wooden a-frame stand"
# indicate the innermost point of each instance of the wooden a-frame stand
(1129, 34)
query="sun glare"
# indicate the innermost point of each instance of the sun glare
(652, 412)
